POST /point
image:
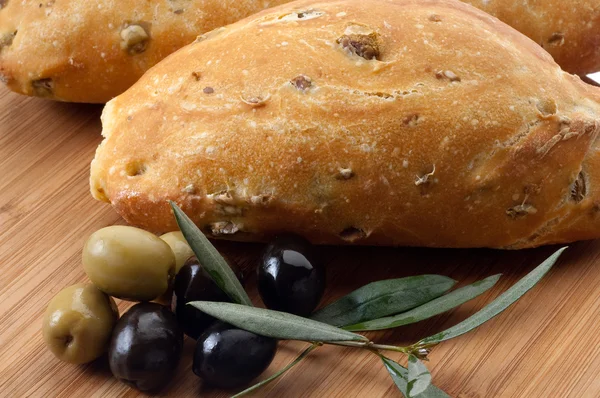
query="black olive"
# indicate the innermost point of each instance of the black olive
(227, 357)
(291, 276)
(193, 283)
(145, 347)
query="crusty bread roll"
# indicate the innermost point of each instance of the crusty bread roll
(84, 51)
(387, 122)
(567, 29)
(71, 50)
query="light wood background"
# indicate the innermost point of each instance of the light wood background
(547, 345)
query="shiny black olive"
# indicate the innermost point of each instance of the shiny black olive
(145, 347)
(228, 357)
(291, 276)
(193, 283)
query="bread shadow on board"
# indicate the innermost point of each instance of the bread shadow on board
(349, 268)
(57, 106)
(85, 115)
(29, 115)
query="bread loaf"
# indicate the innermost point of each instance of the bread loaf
(568, 29)
(387, 122)
(72, 50)
(83, 51)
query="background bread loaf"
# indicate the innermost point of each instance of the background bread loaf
(568, 29)
(91, 51)
(79, 51)
(392, 122)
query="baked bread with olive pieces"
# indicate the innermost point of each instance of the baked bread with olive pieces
(92, 51)
(387, 122)
(568, 29)
(72, 51)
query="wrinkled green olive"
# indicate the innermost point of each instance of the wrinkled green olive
(128, 263)
(180, 247)
(78, 323)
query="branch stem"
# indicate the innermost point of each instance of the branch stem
(369, 346)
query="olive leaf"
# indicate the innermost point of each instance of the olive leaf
(383, 298)
(216, 266)
(399, 375)
(504, 301)
(430, 309)
(275, 324)
(419, 377)
(295, 362)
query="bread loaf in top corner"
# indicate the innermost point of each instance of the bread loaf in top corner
(568, 29)
(92, 51)
(72, 50)
(387, 122)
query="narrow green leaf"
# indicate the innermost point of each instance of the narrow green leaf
(275, 324)
(400, 376)
(419, 378)
(430, 309)
(211, 260)
(383, 298)
(398, 373)
(277, 374)
(497, 306)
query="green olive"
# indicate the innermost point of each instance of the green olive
(183, 252)
(78, 323)
(128, 263)
(180, 247)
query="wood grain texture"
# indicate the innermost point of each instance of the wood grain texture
(547, 345)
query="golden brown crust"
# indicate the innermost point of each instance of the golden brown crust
(388, 122)
(73, 51)
(568, 29)
(84, 51)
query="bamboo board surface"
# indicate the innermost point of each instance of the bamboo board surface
(547, 345)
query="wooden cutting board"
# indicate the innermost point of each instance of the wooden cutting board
(546, 345)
